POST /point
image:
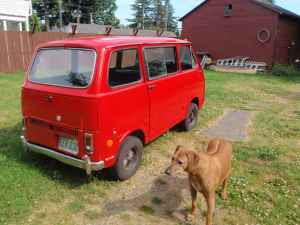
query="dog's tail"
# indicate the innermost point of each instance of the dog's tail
(214, 146)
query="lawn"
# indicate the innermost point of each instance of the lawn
(264, 187)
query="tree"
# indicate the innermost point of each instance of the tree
(104, 12)
(157, 14)
(170, 19)
(101, 11)
(163, 15)
(47, 10)
(34, 20)
(142, 14)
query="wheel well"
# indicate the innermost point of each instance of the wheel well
(139, 134)
(196, 101)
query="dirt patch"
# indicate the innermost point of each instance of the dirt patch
(233, 126)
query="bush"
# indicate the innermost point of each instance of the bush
(267, 154)
(285, 70)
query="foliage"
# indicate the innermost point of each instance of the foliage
(47, 11)
(101, 11)
(153, 14)
(34, 19)
(285, 70)
(105, 12)
(142, 14)
(263, 189)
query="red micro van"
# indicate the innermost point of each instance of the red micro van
(94, 102)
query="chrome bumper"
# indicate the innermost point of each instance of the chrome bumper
(85, 163)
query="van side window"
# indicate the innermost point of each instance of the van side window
(187, 59)
(161, 61)
(124, 67)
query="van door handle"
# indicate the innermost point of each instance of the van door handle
(151, 86)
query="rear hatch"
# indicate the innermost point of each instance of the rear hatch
(50, 115)
(55, 99)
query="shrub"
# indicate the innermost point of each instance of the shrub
(267, 154)
(285, 70)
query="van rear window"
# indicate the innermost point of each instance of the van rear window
(63, 67)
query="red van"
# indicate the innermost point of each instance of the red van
(94, 102)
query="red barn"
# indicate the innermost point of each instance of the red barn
(229, 28)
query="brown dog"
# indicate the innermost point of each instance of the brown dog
(206, 172)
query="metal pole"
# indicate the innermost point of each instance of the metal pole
(60, 15)
(166, 14)
(143, 16)
(91, 18)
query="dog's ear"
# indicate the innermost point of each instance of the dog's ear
(178, 148)
(193, 158)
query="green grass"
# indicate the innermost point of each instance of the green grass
(265, 182)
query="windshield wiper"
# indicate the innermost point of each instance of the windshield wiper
(78, 79)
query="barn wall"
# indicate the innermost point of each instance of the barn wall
(222, 37)
(288, 32)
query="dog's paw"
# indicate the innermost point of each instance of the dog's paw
(224, 196)
(191, 219)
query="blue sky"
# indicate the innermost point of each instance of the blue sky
(183, 6)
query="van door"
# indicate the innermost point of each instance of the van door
(124, 105)
(192, 76)
(163, 87)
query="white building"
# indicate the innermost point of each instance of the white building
(14, 15)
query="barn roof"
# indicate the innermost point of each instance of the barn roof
(273, 7)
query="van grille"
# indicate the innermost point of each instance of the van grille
(55, 128)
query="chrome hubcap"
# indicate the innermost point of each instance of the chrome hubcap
(130, 158)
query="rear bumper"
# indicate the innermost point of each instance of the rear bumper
(85, 163)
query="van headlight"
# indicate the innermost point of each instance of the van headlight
(89, 143)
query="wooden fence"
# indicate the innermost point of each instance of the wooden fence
(16, 48)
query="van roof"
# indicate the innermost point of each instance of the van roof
(111, 41)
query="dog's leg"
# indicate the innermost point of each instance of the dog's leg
(194, 200)
(224, 191)
(191, 217)
(210, 199)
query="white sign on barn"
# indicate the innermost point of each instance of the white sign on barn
(14, 14)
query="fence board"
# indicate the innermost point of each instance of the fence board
(16, 48)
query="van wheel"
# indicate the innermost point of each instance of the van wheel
(191, 119)
(129, 159)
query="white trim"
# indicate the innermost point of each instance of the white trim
(27, 24)
(20, 26)
(13, 18)
(4, 25)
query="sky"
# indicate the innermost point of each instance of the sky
(184, 6)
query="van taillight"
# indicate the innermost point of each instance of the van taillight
(88, 142)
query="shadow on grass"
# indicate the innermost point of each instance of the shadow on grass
(163, 200)
(11, 148)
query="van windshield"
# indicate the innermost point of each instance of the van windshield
(63, 67)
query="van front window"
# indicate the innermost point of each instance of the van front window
(63, 67)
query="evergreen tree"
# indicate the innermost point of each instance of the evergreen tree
(142, 14)
(104, 12)
(163, 15)
(170, 19)
(158, 12)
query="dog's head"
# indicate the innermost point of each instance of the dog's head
(179, 161)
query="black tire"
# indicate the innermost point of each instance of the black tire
(191, 119)
(129, 159)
